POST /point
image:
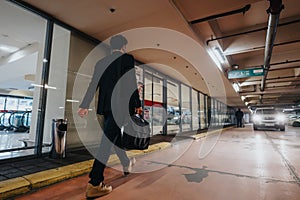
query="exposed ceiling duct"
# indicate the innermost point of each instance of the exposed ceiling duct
(274, 10)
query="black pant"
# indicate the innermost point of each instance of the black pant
(240, 122)
(111, 138)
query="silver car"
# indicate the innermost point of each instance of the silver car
(268, 118)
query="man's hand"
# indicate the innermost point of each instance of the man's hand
(83, 112)
(139, 110)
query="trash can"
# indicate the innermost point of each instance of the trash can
(59, 134)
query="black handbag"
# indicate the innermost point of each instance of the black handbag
(136, 133)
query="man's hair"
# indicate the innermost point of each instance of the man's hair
(117, 42)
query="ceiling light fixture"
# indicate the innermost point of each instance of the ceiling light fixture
(235, 66)
(236, 87)
(72, 100)
(8, 48)
(215, 59)
(219, 55)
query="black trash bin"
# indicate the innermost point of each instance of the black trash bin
(59, 134)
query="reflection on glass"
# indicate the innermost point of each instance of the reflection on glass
(186, 114)
(148, 97)
(157, 108)
(195, 110)
(204, 109)
(153, 103)
(2, 102)
(173, 111)
(12, 103)
(61, 55)
(21, 67)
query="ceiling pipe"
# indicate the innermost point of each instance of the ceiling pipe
(274, 10)
(212, 17)
(286, 62)
(259, 48)
(251, 31)
(283, 68)
(276, 78)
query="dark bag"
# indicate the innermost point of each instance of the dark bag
(136, 133)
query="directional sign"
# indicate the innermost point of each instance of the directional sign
(243, 73)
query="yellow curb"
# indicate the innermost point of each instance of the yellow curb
(51, 176)
(202, 135)
(14, 186)
(151, 148)
(21, 185)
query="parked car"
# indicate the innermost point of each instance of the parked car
(296, 123)
(268, 118)
(294, 120)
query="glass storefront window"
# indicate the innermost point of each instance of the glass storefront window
(195, 110)
(202, 111)
(186, 112)
(173, 109)
(57, 83)
(158, 109)
(12, 104)
(78, 59)
(148, 101)
(154, 110)
(218, 114)
(2, 103)
(21, 59)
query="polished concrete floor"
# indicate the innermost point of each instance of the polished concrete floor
(238, 164)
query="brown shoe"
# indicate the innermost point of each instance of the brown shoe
(97, 191)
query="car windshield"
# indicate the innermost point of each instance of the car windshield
(266, 112)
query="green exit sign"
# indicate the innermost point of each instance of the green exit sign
(243, 73)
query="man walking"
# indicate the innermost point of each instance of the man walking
(108, 71)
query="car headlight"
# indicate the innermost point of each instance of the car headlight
(257, 118)
(280, 117)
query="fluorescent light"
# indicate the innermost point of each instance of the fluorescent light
(46, 86)
(8, 48)
(219, 55)
(37, 85)
(72, 100)
(50, 87)
(214, 58)
(236, 87)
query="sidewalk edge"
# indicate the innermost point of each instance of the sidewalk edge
(21, 185)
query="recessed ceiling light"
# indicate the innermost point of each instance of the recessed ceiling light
(235, 66)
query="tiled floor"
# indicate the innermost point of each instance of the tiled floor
(17, 168)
